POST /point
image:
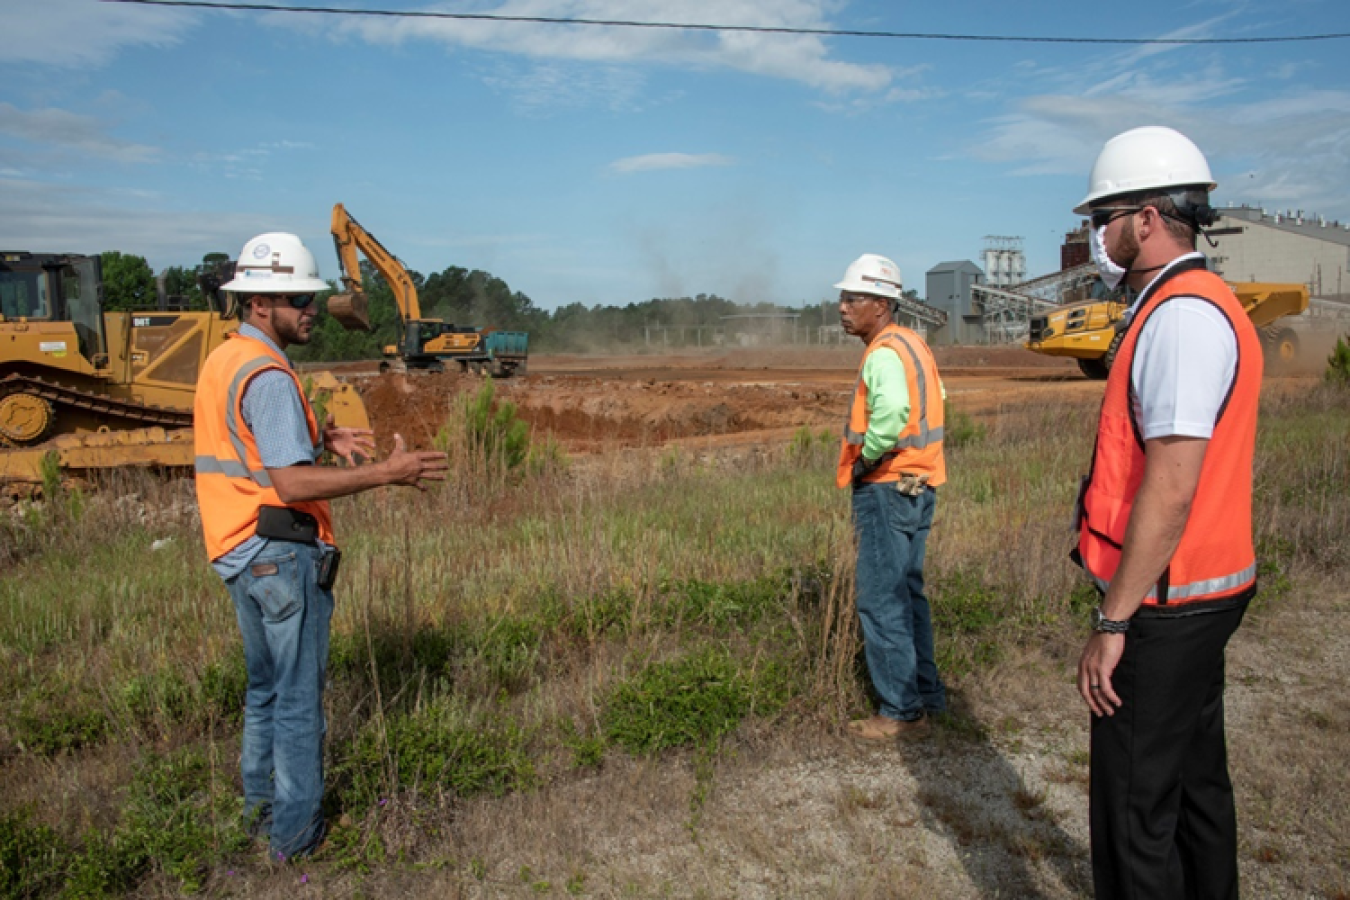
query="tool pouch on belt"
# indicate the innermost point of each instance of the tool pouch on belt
(281, 523)
(912, 485)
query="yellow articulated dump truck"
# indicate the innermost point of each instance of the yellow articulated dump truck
(1090, 331)
(101, 389)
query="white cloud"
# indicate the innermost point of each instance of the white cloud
(802, 58)
(82, 33)
(545, 88)
(651, 162)
(63, 129)
(1293, 149)
(45, 217)
(246, 162)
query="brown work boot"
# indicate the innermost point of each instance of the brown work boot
(884, 728)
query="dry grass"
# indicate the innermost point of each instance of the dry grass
(508, 610)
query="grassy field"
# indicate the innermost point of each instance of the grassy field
(528, 630)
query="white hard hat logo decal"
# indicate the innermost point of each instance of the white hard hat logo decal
(261, 250)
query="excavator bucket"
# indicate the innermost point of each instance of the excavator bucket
(351, 309)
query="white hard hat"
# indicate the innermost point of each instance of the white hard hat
(1144, 159)
(872, 274)
(275, 263)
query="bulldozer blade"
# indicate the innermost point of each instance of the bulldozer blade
(351, 310)
(171, 448)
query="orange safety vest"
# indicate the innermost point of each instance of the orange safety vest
(919, 448)
(232, 483)
(1215, 560)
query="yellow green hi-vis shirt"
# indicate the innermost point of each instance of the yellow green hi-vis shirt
(888, 401)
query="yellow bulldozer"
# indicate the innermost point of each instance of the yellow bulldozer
(97, 389)
(1090, 331)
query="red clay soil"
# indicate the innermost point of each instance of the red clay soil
(589, 402)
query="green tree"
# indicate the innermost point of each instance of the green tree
(180, 281)
(128, 282)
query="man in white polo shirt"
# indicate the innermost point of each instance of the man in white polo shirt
(1165, 529)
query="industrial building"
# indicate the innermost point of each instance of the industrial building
(948, 288)
(1256, 245)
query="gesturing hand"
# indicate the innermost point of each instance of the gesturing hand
(348, 443)
(412, 468)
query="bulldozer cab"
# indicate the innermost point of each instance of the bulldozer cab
(56, 289)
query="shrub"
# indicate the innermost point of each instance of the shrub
(717, 604)
(438, 746)
(1338, 363)
(959, 429)
(694, 700)
(30, 857)
(59, 726)
(495, 436)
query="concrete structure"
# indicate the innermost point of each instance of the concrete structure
(1256, 245)
(948, 288)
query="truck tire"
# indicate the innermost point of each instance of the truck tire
(1284, 350)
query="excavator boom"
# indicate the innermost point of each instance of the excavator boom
(349, 307)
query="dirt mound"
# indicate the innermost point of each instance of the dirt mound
(584, 414)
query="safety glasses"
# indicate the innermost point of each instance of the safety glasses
(849, 299)
(1105, 215)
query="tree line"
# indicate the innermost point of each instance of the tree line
(474, 297)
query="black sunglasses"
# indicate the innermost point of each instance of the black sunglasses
(297, 301)
(1105, 215)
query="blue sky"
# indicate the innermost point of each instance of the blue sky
(609, 165)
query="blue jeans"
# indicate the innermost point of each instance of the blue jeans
(897, 625)
(284, 617)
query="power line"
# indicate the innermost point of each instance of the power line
(754, 29)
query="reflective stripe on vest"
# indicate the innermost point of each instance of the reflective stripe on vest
(1214, 559)
(1220, 586)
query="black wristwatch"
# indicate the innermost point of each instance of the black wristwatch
(1102, 625)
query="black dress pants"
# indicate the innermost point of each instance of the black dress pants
(1161, 803)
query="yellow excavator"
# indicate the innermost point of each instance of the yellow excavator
(102, 389)
(424, 343)
(1090, 331)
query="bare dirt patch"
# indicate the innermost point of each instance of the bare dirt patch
(589, 402)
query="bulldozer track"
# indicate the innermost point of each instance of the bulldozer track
(67, 398)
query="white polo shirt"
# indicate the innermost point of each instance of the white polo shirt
(1185, 360)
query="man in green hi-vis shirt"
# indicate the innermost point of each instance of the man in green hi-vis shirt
(891, 458)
